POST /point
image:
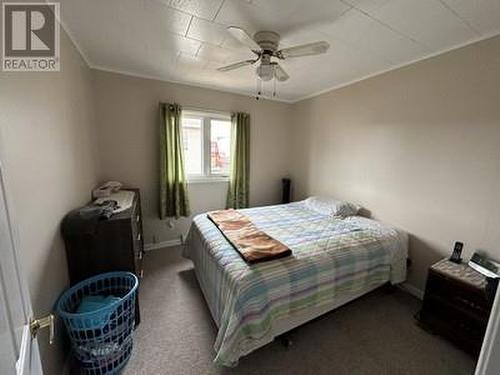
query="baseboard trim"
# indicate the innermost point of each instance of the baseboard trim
(162, 244)
(414, 291)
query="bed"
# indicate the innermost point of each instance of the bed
(333, 261)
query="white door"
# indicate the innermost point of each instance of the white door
(489, 359)
(18, 351)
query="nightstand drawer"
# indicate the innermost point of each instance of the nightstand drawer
(453, 314)
(465, 333)
(470, 299)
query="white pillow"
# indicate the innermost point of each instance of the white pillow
(331, 207)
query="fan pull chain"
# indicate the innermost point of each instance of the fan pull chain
(259, 88)
(274, 87)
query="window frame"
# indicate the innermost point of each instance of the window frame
(206, 117)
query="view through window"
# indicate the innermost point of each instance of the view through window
(207, 144)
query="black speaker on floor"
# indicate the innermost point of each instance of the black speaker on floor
(286, 190)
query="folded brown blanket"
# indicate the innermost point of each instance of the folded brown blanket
(253, 244)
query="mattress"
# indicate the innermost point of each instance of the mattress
(333, 261)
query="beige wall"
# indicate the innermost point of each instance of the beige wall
(128, 122)
(47, 145)
(419, 147)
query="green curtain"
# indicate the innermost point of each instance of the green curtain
(173, 190)
(237, 195)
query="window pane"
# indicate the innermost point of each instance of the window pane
(220, 146)
(192, 137)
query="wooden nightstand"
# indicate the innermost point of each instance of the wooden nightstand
(455, 304)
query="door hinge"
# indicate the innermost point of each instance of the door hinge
(45, 322)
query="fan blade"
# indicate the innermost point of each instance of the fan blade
(280, 73)
(243, 37)
(235, 65)
(304, 50)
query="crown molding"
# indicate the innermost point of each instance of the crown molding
(185, 83)
(399, 66)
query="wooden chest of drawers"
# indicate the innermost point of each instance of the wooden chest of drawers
(456, 305)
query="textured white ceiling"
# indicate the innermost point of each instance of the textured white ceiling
(185, 40)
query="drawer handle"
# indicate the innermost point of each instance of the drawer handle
(141, 255)
(138, 237)
(137, 218)
(141, 274)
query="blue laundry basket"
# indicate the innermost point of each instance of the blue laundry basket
(101, 339)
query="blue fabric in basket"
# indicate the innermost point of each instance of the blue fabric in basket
(93, 303)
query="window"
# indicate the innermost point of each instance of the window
(192, 136)
(207, 145)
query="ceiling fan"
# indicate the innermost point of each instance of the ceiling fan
(265, 45)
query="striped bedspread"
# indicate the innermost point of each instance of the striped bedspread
(331, 259)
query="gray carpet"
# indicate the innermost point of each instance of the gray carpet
(375, 334)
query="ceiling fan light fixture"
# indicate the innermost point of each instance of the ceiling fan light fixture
(265, 44)
(265, 72)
